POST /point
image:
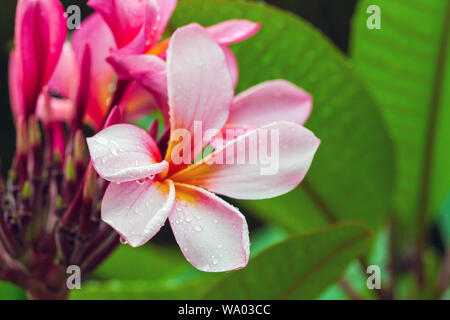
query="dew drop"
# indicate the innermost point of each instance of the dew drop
(198, 228)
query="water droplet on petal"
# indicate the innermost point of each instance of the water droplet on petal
(198, 228)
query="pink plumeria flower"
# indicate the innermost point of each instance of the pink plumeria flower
(138, 26)
(147, 190)
(35, 54)
(67, 80)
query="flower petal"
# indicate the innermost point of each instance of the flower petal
(199, 83)
(212, 234)
(114, 117)
(15, 86)
(125, 18)
(137, 102)
(148, 70)
(65, 74)
(232, 64)
(95, 33)
(166, 8)
(137, 210)
(124, 152)
(289, 147)
(61, 109)
(268, 102)
(146, 36)
(39, 37)
(232, 31)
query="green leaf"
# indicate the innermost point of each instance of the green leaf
(406, 66)
(9, 291)
(300, 267)
(351, 175)
(188, 285)
(153, 272)
(444, 222)
(264, 238)
(143, 263)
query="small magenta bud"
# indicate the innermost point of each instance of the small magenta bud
(153, 129)
(114, 117)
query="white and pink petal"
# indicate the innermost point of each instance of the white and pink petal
(271, 101)
(199, 83)
(212, 234)
(262, 163)
(137, 211)
(124, 152)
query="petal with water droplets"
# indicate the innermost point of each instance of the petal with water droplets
(137, 211)
(124, 152)
(212, 234)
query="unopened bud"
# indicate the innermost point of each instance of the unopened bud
(34, 132)
(26, 190)
(59, 203)
(79, 147)
(153, 129)
(12, 175)
(90, 184)
(21, 138)
(57, 157)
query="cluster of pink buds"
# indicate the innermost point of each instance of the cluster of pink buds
(50, 215)
(50, 201)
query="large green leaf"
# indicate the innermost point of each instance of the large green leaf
(9, 291)
(406, 66)
(153, 272)
(300, 267)
(350, 177)
(143, 263)
(190, 284)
